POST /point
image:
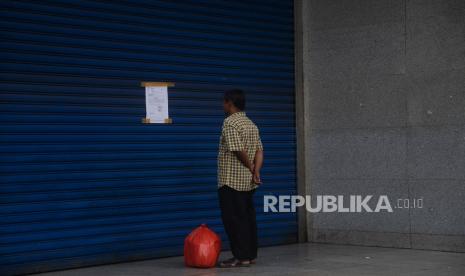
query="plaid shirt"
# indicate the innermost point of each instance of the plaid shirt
(238, 133)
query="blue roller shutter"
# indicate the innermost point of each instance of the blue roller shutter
(83, 182)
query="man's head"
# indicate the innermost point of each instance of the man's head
(234, 101)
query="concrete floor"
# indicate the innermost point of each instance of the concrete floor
(301, 259)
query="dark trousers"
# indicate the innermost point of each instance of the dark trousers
(238, 215)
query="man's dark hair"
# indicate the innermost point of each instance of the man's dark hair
(237, 97)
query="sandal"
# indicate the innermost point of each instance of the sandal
(233, 262)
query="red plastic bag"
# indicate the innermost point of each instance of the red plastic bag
(202, 247)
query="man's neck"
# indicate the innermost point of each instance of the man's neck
(234, 112)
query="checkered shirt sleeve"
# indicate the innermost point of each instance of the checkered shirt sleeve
(232, 139)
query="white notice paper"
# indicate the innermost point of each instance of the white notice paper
(156, 103)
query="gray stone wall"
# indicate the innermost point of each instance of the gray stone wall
(385, 84)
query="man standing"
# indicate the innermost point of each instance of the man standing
(240, 159)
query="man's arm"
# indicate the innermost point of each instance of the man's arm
(257, 166)
(242, 156)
